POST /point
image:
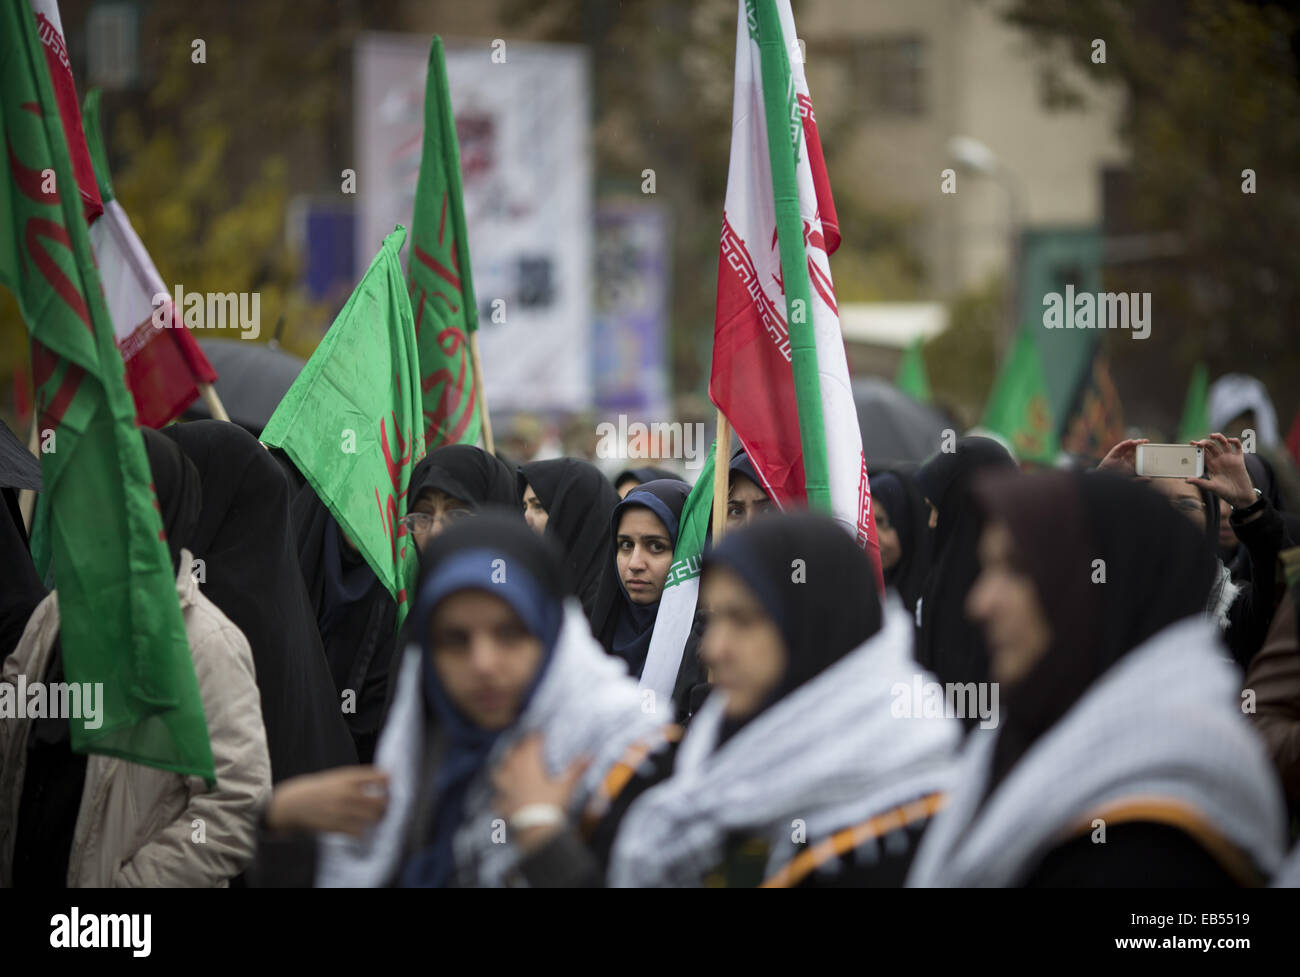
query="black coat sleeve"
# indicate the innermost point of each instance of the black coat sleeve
(563, 862)
(1250, 615)
(1138, 854)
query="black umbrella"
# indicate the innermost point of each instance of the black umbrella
(19, 468)
(252, 378)
(894, 426)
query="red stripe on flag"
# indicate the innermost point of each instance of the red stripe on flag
(37, 228)
(437, 267)
(752, 382)
(821, 182)
(158, 374)
(65, 93)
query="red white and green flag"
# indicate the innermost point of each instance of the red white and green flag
(164, 364)
(96, 525)
(49, 28)
(441, 286)
(780, 373)
(676, 613)
(351, 420)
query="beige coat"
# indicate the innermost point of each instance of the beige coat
(138, 825)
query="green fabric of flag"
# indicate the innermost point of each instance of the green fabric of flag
(676, 613)
(441, 286)
(351, 420)
(912, 378)
(783, 138)
(96, 526)
(1195, 422)
(1019, 408)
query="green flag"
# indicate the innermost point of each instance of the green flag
(97, 525)
(441, 286)
(1195, 422)
(676, 613)
(351, 421)
(1018, 408)
(912, 378)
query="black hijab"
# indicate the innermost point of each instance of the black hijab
(1158, 571)
(896, 490)
(643, 475)
(20, 585)
(625, 627)
(179, 491)
(1264, 478)
(823, 613)
(355, 614)
(467, 473)
(741, 465)
(949, 643)
(578, 501)
(244, 536)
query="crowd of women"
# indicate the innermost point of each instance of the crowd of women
(1141, 635)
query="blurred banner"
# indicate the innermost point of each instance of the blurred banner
(1051, 259)
(522, 117)
(630, 344)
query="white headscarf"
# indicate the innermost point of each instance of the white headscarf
(1235, 393)
(585, 706)
(833, 743)
(1163, 723)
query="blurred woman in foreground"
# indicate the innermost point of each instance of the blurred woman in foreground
(1122, 721)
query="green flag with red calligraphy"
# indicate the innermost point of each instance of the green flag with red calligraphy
(351, 420)
(96, 526)
(441, 286)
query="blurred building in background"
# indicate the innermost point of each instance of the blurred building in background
(911, 76)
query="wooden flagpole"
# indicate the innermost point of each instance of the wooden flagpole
(215, 407)
(721, 477)
(27, 497)
(488, 444)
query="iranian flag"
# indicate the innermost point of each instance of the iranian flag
(96, 523)
(440, 283)
(49, 28)
(780, 374)
(164, 366)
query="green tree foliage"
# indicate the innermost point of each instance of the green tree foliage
(1211, 90)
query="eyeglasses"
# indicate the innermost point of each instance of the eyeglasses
(423, 522)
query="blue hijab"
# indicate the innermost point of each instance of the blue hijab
(469, 557)
(628, 626)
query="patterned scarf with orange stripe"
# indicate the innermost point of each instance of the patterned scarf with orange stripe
(1160, 733)
(833, 744)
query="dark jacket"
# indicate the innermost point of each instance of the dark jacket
(1274, 677)
(1141, 854)
(1251, 613)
